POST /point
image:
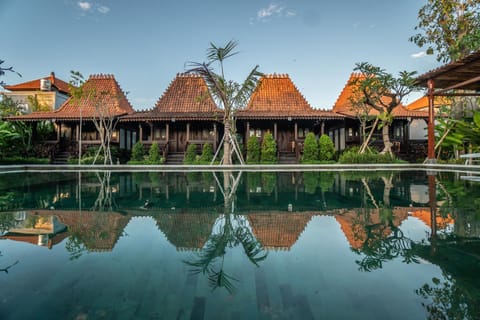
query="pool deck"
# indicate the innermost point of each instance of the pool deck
(276, 167)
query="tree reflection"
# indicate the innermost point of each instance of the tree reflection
(105, 200)
(230, 230)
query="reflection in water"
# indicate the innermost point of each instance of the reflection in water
(206, 216)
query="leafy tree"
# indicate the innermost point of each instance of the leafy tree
(207, 153)
(229, 95)
(383, 92)
(326, 149)
(138, 152)
(154, 154)
(253, 150)
(310, 148)
(451, 28)
(190, 154)
(269, 149)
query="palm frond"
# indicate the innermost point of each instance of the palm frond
(219, 54)
(220, 279)
(247, 88)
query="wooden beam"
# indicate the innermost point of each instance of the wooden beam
(458, 85)
(431, 123)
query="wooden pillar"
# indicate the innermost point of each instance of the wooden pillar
(247, 134)
(152, 132)
(296, 131)
(167, 132)
(140, 133)
(214, 137)
(188, 131)
(322, 128)
(275, 131)
(77, 132)
(59, 131)
(431, 123)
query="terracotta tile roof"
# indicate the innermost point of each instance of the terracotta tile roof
(343, 105)
(422, 103)
(276, 97)
(354, 225)
(425, 217)
(34, 85)
(105, 90)
(278, 230)
(186, 98)
(187, 231)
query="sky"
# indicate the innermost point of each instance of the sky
(144, 44)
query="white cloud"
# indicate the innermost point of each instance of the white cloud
(84, 5)
(274, 10)
(103, 9)
(417, 55)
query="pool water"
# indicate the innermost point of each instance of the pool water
(239, 245)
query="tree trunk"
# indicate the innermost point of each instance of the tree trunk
(386, 139)
(227, 149)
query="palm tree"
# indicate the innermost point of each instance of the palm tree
(228, 95)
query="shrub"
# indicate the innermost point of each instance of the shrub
(269, 149)
(326, 149)
(138, 152)
(191, 154)
(310, 181)
(310, 149)
(351, 156)
(22, 160)
(207, 153)
(253, 150)
(154, 154)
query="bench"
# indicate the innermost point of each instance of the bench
(470, 157)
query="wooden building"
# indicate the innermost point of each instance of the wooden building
(277, 106)
(185, 114)
(403, 143)
(102, 96)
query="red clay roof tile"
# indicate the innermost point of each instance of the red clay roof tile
(102, 89)
(57, 83)
(343, 105)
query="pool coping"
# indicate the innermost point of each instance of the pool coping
(259, 167)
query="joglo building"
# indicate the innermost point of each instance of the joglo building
(186, 114)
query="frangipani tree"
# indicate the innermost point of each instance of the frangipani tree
(383, 92)
(228, 94)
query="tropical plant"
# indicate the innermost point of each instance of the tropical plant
(154, 154)
(383, 92)
(4, 69)
(207, 153)
(310, 149)
(138, 152)
(190, 154)
(228, 95)
(253, 150)
(451, 28)
(268, 152)
(326, 149)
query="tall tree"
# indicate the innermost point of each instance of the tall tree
(449, 28)
(383, 92)
(229, 95)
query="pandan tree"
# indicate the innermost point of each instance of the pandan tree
(253, 150)
(228, 95)
(310, 148)
(326, 149)
(269, 149)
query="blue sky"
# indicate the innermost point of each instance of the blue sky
(146, 43)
